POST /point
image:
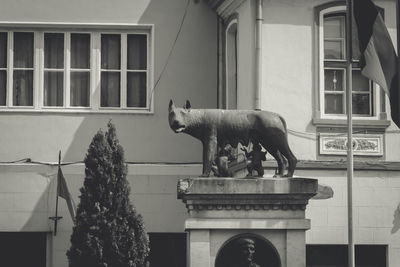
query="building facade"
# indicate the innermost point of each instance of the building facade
(68, 67)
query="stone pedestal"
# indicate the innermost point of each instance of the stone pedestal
(269, 211)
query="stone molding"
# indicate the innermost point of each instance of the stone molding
(223, 207)
(254, 188)
(364, 145)
(241, 194)
(195, 223)
(225, 8)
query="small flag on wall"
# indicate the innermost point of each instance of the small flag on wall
(378, 57)
(64, 193)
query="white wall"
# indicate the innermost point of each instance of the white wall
(288, 64)
(246, 55)
(28, 199)
(376, 209)
(191, 74)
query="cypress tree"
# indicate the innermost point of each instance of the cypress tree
(108, 231)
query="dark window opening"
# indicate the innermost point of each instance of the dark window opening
(336, 255)
(22, 249)
(167, 249)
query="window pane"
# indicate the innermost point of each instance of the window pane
(334, 80)
(334, 104)
(80, 87)
(136, 89)
(360, 83)
(334, 49)
(361, 104)
(53, 89)
(3, 85)
(3, 50)
(355, 45)
(337, 256)
(110, 89)
(167, 249)
(54, 50)
(137, 52)
(23, 49)
(80, 50)
(110, 51)
(23, 88)
(32, 243)
(371, 255)
(326, 256)
(334, 27)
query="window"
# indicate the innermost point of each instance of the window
(167, 249)
(366, 96)
(22, 69)
(53, 69)
(336, 255)
(3, 68)
(31, 244)
(231, 39)
(60, 70)
(129, 67)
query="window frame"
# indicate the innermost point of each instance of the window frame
(95, 31)
(340, 252)
(375, 106)
(231, 27)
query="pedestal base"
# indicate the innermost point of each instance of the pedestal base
(271, 212)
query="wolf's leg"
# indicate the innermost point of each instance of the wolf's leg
(209, 154)
(285, 150)
(280, 160)
(278, 157)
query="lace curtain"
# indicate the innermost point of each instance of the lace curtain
(23, 69)
(80, 70)
(54, 70)
(3, 68)
(111, 70)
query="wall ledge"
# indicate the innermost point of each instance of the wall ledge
(194, 168)
(378, 165)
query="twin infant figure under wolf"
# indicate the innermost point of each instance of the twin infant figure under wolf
(216, 128)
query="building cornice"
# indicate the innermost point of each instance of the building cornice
(225, 8)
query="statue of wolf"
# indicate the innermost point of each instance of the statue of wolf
(216, 128)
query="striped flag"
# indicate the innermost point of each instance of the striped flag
(378, 57)
(63, 192)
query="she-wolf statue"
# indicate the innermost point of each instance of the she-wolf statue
(216, 128)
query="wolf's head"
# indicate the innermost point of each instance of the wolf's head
(177, 117)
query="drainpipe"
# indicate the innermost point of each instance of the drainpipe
(258, 60)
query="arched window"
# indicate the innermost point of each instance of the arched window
(231, 65)
(366, 96)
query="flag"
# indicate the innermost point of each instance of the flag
(64, 193)
(378, 57)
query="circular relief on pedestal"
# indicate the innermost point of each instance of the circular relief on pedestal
(247, 250)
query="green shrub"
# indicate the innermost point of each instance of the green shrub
(108, 231)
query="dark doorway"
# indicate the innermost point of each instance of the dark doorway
(167, 249)
(22, 249)
(336, 255)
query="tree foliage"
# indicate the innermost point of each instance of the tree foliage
(108, 231)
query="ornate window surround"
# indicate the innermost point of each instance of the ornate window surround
(95, 30)
(377, 120)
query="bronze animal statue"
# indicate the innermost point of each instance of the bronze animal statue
(256, 156)
(217, 127)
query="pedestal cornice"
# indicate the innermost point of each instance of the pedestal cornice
(260, 194)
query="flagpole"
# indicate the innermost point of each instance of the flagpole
(349, 109)
(57, 193)
(56, 217)
(398, 42)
